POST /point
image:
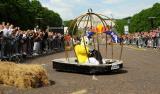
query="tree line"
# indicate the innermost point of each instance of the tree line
(143, 21)
(28, 14)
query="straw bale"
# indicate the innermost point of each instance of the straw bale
(23, 75)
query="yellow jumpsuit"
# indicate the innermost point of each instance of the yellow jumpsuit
(82, 53)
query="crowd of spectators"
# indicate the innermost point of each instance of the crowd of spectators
(14, 41)
(149, 39)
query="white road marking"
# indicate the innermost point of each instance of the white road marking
(94, 77)
(84, 91)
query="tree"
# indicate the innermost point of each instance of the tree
(140, 22)
(73, 28)
(120, 23)
(23, 13)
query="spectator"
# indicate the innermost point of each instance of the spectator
(14, 41)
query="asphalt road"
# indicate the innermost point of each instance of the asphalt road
(140, 75)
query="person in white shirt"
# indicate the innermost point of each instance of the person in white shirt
(10, 29)
(5, 31)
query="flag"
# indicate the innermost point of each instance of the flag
(114, 36)
(90, 34)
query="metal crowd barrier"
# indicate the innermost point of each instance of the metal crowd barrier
(143, 42)
(17, 49)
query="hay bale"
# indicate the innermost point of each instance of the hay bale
(23, 75)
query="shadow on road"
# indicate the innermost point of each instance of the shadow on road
(101, 73)
(52, 82)
(112, 72)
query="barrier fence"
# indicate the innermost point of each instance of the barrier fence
(20, 45)
(144, 39)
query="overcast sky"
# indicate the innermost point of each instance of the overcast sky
(69, 9)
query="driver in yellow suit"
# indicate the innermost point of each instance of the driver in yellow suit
(82, 53)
